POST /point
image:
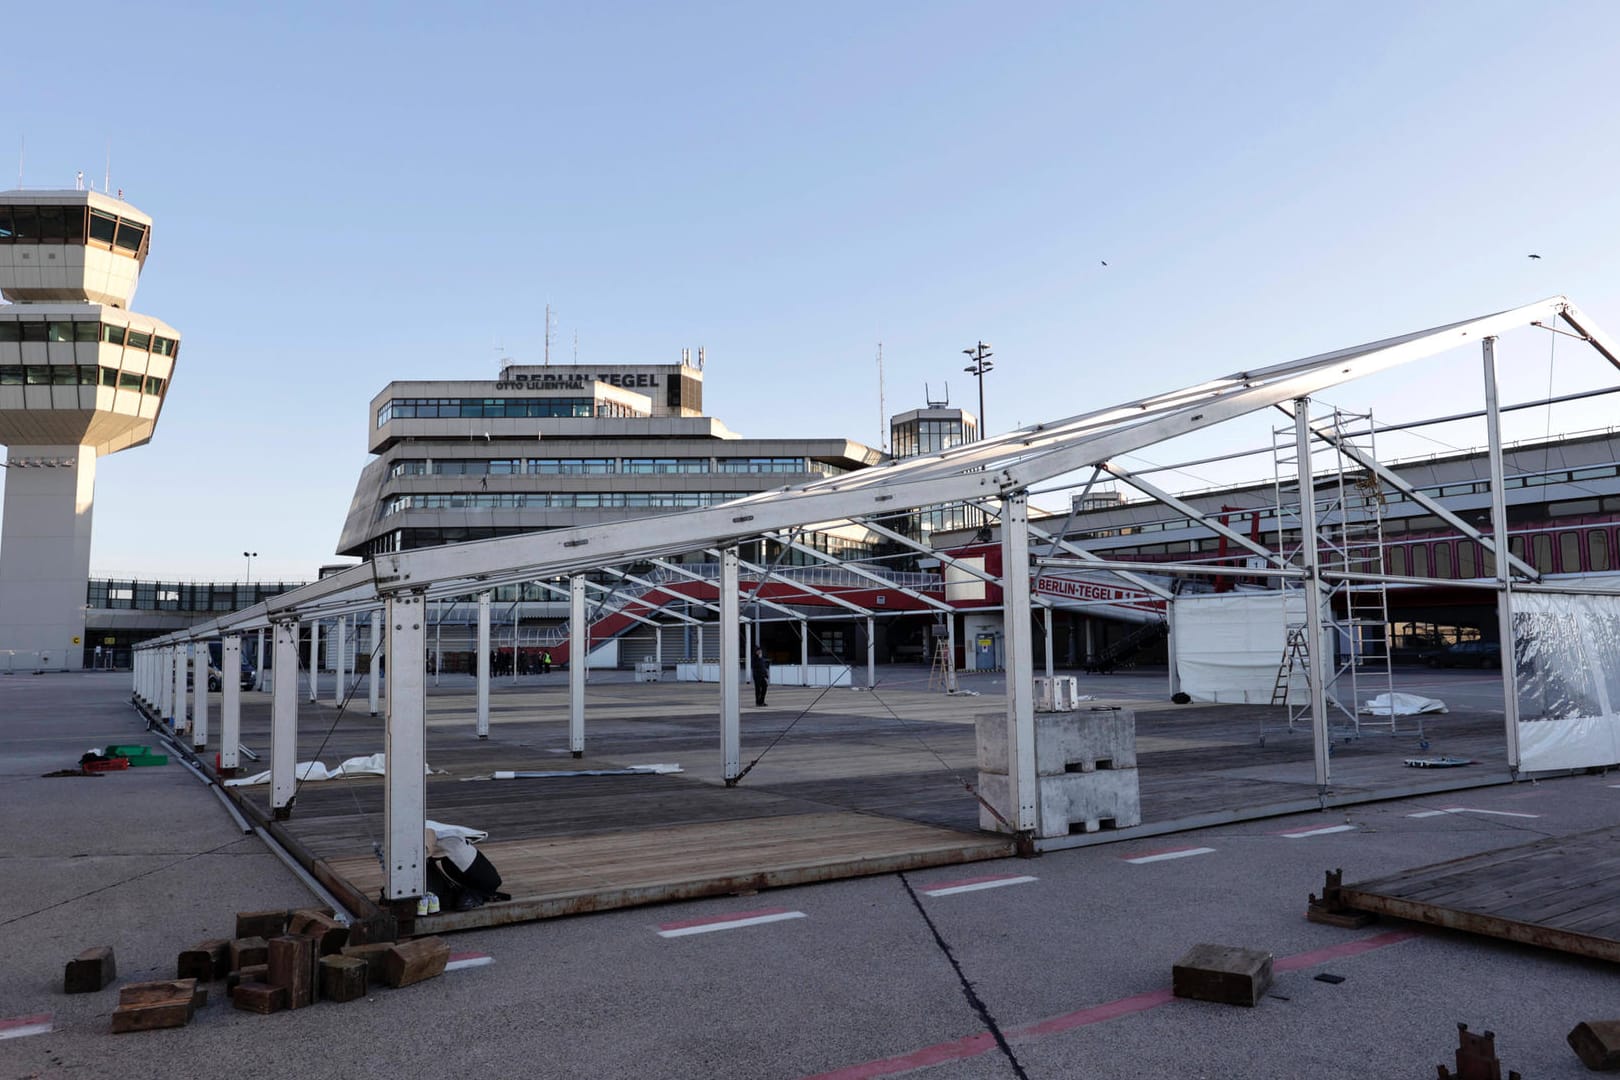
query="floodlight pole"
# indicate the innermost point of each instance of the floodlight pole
(980, 355)
(1501, 562)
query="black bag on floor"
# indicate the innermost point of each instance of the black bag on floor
(475, 877)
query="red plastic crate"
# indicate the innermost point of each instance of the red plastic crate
(110, 765)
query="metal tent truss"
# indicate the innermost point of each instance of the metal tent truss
(997, 472)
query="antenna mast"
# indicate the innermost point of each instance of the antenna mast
(883, 410)
(548, 335)
(106, 180)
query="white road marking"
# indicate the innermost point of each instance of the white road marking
(979, 883)
(17, 1027)
(1323, 830)
(669, 930)
(1174, 853)
(1470, 810)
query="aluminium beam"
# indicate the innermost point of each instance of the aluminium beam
(1504, 575)
(579, 656)
(482, 724)
(677, 568)
(1310, 558)
(340, 641)
(730, 704)
(1192, 513)
(284, 718)
(375, 660)
(230, 703)
(405, 750)
(1023, 782)
(1433, 506)
(860, 572)
(314, 661)
(811, 590)
(199, 695)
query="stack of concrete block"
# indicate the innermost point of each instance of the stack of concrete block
(1085, 765)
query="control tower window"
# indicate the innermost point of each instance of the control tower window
(138, 340)
(24, 223)
(129, 236)
(103, 227)
(129, 380)
(33, 331)
(112, 335)
(86, 331)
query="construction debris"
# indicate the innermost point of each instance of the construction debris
(90, 971)
(1222, 973)
(1597, 1044)
(149, 1006)
(1330, 910)
(1476, 1058)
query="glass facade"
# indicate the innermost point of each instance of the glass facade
(913, 437)
(73, 225)
(85, 332)
(499, 408)
(78, 375)
(555, 500)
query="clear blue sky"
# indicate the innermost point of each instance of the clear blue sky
(348, 194)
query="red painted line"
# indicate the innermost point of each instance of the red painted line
(17, 1022)
(1336, 952)
(733, 917)
(970, 881)
(974, 1045)
(960, 1050)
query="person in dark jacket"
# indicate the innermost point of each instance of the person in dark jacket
(762, 676)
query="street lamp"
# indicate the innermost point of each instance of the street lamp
(250, 556)
(980, 355)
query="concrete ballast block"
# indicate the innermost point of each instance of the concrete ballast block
(1222, 973)
(1064, 741)
(1068, 802)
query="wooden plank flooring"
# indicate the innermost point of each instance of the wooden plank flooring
(1560, 893)
(841, 783)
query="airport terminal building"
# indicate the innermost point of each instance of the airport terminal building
(553, 446)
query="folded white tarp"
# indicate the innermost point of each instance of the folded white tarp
(369, 765)
(1402, 705)
(441, 830)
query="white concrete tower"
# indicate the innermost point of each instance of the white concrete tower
(81, 376)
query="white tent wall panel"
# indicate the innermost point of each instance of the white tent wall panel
(1566, 651)
(1230, 646)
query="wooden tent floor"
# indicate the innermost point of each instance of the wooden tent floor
(846, 783)
(1560, 893)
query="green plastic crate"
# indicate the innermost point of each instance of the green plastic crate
(138, 755)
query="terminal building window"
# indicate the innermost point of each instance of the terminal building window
(86, 332)
(761, 465)
(555, 500)
(572, 466)
(661, 466)
(495, 408)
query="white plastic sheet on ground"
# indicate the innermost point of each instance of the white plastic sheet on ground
(368, 765)
(1229, 647)
(1566, 653)
(1402, 705)
(441, 830)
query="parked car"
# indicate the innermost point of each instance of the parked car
(1474, 654)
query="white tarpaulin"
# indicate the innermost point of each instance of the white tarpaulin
(369, 765)
(1230, 647)
(1401, 705)
(1566, 652)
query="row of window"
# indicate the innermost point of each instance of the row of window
(1566, 552)
(930, 436)
(558, 500)
(607, 466)
(181, 596)
(756, 551)
(499, 408)
(88, 332)
(71, 225)
(78, 375)
(1475, 487)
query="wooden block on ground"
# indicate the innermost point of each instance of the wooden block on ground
(373, 956)
(260, 997)
(413, 961)
(247, 951)
(251, 973)
(294, 967)
(329, 934)
(1597, 1044)
(151, 1005)
(1222, 973)
(205, 961)
(343, 978)
(261, 924)
(90, 971)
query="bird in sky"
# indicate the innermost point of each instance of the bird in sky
(1535, 256)
(1105, 261)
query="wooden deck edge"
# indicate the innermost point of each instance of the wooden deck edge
(587, 901)
(1485, 925)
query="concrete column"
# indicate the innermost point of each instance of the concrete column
(284, 719)
(404, 783)
(1315, 663)
(376, 659)
(314, 660)
(483, 665)
(579, 651)
(199, 696)
(1023, 783)
(1504, 572)
(730, 716)
(230, 702)
(340, 640)
(45, 553)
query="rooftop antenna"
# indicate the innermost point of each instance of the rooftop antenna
(22, 152)
(106, 180)
(548, 335)
(701, 351)
(883, 410)
(576, 346)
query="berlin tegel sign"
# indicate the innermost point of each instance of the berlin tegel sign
(1083, 591)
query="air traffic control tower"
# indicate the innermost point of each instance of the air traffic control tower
(81, 376)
